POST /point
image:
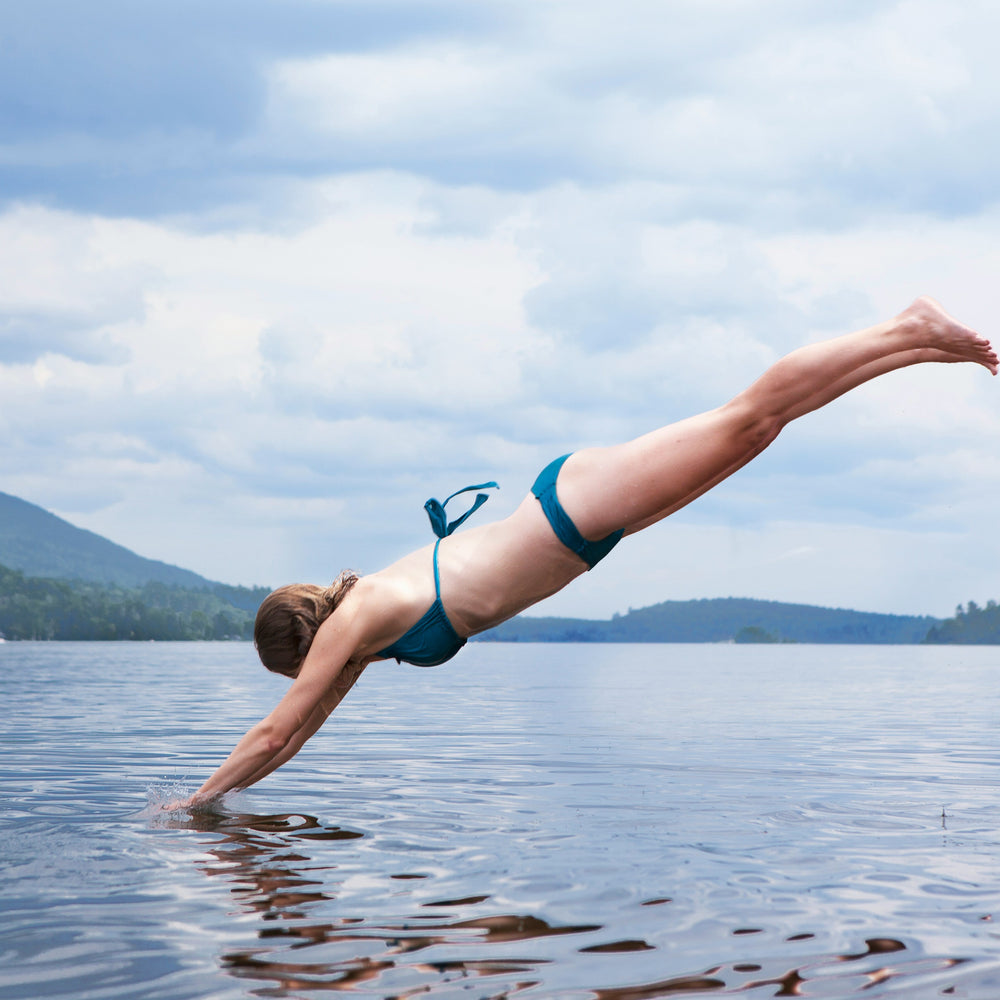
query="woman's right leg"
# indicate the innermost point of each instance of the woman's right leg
(635, 484)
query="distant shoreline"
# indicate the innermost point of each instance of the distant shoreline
(61, 583)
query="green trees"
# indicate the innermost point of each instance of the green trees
(40, 608)
(971, 625)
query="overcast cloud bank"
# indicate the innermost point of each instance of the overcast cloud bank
(274, 274)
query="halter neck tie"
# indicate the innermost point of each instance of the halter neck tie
(439, 520)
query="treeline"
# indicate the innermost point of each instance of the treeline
(972, 626)
(744, 620)
(724, 619)
(42, 608)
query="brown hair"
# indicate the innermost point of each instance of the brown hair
(289, 617)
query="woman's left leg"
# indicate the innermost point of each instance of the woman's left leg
(852, 381)
(635, 484)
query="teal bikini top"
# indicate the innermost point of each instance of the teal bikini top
(433, 640)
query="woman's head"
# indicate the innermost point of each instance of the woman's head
(289, 617)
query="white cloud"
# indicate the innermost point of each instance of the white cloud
(284, 396)
(804, 109)
(463, 252)
(385, 95)
(275, 363)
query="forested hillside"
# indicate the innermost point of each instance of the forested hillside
(39, 608)
(722, 620)
(40, 544)
(58, 581)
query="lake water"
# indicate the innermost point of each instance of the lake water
(609, 822)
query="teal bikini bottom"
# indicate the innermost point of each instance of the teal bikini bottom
(566, 531)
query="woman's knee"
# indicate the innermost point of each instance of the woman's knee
(752, 428)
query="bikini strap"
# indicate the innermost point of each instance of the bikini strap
(437, 575)
(439, 520)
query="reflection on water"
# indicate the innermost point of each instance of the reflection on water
(540, 822)
(273, 876)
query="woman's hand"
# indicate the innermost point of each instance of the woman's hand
(191, 802)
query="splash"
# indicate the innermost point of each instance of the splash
(168, 802)
(166, 797)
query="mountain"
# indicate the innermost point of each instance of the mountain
(724, 619)
(39, 544)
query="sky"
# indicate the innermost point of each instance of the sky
(273, 272)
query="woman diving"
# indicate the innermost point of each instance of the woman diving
(422, 608)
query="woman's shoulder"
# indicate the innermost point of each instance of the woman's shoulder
(377, 603)
(371, 597)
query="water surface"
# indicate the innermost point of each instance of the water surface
(614, 822)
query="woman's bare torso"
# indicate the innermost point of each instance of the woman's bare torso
(488, 573)
(494, 571)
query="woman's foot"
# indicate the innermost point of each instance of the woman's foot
(931, 327)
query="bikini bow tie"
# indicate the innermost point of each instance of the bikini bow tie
(439, 520)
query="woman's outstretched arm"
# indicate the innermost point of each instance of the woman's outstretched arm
(324, 679)
(343, 684)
